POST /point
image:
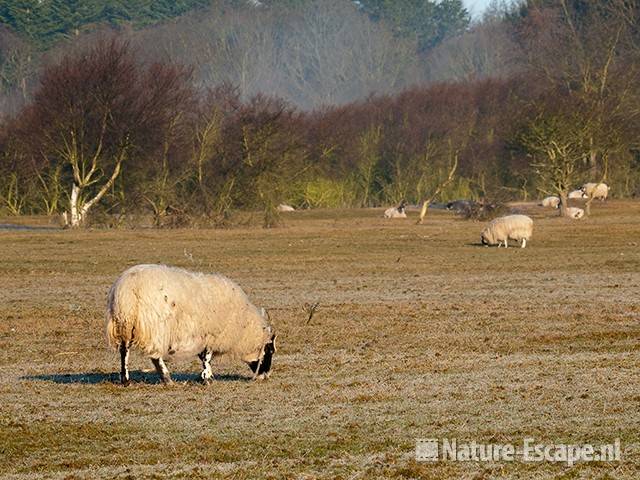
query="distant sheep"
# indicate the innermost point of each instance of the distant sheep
(500, 230)
(595, 190)
(577, 194)
(285, 208)
(396, 212)
(461, 206)
(171, 313)
(574, 212)
(551, 201)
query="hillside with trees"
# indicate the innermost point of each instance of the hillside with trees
(191, 112)
(309, 53)
(44, 23)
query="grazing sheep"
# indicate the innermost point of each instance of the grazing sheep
(396, 212)
(285, 208)
(577, 194)
(172, 313)
(574, 212)
(551, 201)
(595, 190)
(499, 230)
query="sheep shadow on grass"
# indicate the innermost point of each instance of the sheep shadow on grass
(514, 246)
(137, 376)
(475, 244)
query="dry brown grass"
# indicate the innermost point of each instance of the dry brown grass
(420, 333)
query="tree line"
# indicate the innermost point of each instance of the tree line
(307, 52)
(112, 132)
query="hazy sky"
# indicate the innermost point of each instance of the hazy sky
(476, 7)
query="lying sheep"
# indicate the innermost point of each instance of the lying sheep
(577, 194)
(396, 212)
(551, 201)
(595, 190)
(499, 230)
(285, 208)
(171, 313)
(574, 212)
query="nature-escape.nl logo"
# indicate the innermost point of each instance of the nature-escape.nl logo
(449, 449)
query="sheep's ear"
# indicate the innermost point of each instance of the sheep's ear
(273, 340)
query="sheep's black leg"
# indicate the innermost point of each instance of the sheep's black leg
(207, 373)
(124, 364)
(162, 370)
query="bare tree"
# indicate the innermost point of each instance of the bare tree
(442, 185)
(310, 53)
(235, 44)
(368, 160)
(557, 145)
(588, 52)
(92, 113)
(486, 51)
(18, 66)
(334, 54)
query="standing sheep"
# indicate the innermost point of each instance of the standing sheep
(396, 212)
(500, 230)
(595, 190)
(171, 313)
(551, 201)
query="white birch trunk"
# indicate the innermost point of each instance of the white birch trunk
(76, 215)
(80, 209)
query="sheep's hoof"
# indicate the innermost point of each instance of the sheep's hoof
(126, 383)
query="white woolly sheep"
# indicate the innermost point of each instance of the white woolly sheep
(396, 212)
(170, 313)
(597, 190)
(574, 212)
(551, 201)
(285, 208)
(577, 194)
(500, 230)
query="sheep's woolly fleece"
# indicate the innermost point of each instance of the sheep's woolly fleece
(168, 313)
(551, 201)
(574, 212)
(597, 190)
(515, 227)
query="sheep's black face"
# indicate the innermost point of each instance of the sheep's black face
(261, 369)
(484, 240)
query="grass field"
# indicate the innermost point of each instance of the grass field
(421, 333)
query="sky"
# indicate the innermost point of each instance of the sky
(476, 7)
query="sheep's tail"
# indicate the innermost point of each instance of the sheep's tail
(121, 315)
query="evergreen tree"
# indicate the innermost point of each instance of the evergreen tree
(44, 22)
(428, 21)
